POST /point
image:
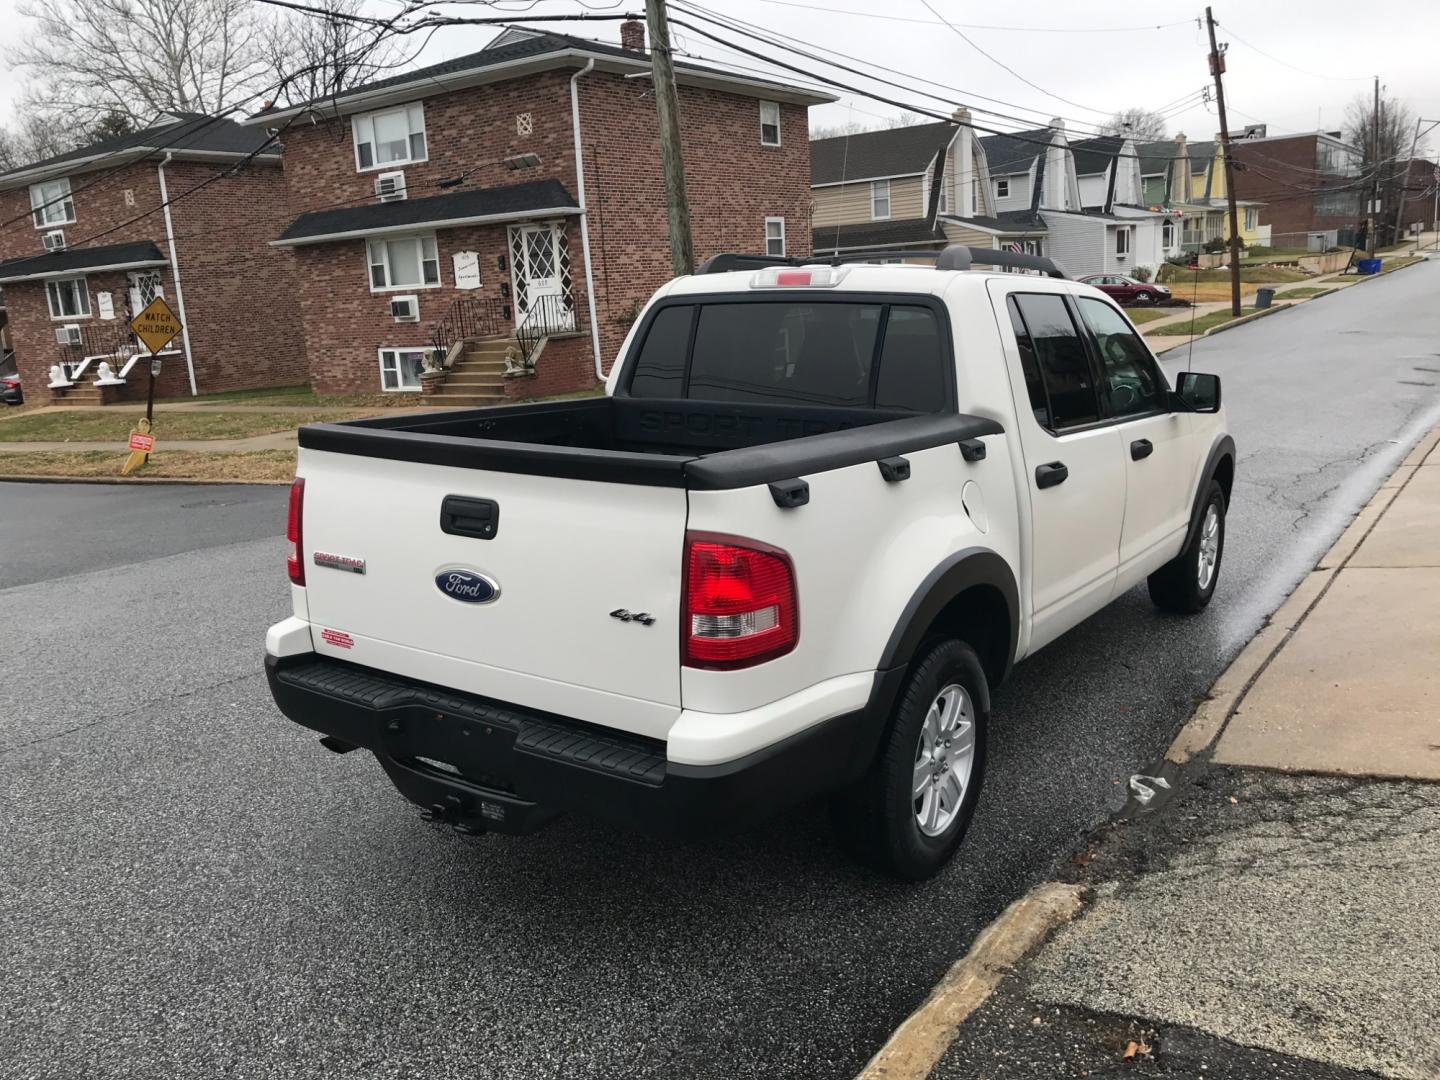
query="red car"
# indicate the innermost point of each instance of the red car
(1127, 290)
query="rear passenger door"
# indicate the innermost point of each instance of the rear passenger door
(1154, 440)
(1074, 465)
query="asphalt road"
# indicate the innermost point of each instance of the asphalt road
(190, 886)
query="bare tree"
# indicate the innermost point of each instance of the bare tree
(33, 138)
(1385, 159)
(89, 59)
(831, 131)
(313, 56)
(1137, 122)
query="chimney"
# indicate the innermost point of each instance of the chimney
(961, 115)
(1057, 124)
(632, 35)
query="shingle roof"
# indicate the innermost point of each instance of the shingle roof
(499, 204)
(1020, 222)
(110, 256)
(876, 234)
(1155, 157)
(1095, 155)
(893, 152)
(513, 47)
(192, 132)
(1014, 153)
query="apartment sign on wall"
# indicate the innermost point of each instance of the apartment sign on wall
(467, 270)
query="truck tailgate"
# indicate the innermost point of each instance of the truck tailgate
(564, 556)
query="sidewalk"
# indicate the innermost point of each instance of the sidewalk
(1276, 911)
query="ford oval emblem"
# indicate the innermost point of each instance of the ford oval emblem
(467, 586)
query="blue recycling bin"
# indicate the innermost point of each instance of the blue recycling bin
(1368, 266)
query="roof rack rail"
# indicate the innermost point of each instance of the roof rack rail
(735, 260)
(960, 257)
(952, 257)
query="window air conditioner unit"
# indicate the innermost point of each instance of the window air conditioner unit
(69, 334)
(405, 308)
(54, 241)
(390, 186)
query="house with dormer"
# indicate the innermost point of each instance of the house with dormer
(487, 228)
(1023, 191)
(182, 209)
(1187, 180)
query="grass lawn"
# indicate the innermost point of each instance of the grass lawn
(1256, 275)
(1203, 322)
(302, 397)
(1395, 264)
(1139, 316)
(1303, 293)
(100, 425)
(251, 465)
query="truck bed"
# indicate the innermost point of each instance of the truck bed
(650, 441)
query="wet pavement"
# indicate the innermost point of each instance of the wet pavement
(190, 886)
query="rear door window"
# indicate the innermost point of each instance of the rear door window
(1060, 356)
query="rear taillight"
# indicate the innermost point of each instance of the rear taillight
(739, 602)
(295, 564)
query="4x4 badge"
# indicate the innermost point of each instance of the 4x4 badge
(643, 618)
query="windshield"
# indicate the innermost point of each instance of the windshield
(815, 352)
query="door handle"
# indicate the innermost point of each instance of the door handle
(478, 518)
(1050, 474)
(1141, 448)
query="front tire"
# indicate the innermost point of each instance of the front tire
(1187, 582)
(1143, 297)
(910, 811)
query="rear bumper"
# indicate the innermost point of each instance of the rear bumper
(482, 764)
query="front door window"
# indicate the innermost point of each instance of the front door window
(145, 286)
(541, 262)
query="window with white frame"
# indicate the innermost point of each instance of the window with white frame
(69, 298)
(403, 262)
(388, 138)
(879, 199)
(769, 123)
(51, 204)
(1122, 241)
(774, 236)
(1167, 235)
(1249, 218)
(944, 204)
(400, 368)
(1002, 188)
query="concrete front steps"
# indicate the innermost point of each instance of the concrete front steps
(478, 376)
(83, 395)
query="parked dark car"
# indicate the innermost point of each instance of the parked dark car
(10, 389)
(1127, 290)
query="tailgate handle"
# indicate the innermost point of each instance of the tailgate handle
(477, 518)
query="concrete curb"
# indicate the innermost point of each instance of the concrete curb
(1204, 728)
(918, 1044)
(142, 480)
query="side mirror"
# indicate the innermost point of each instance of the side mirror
(1197, 392)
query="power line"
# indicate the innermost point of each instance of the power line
(1000, 63)
(979, 26)
(1271, 56)
(792, 45)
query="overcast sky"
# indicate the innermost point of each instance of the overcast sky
(1292, 65)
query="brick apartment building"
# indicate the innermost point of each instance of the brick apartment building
(86, 241)
(440, 219)
(1312, 185)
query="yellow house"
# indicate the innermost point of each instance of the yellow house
(1190, 178)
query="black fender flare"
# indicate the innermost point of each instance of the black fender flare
(960, 571)
(1223, 447)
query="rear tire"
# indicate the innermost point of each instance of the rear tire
(1187, 582)
(909, 812)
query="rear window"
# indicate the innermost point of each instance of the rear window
(806, 352)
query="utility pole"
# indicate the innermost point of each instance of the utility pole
(1404, 184)
(1374, 173)
(677, 204)
(1217, 68)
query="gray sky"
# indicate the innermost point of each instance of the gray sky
(1094, 56)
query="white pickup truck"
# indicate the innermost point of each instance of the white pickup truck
(820, 512)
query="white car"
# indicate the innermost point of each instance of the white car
(819, 513)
